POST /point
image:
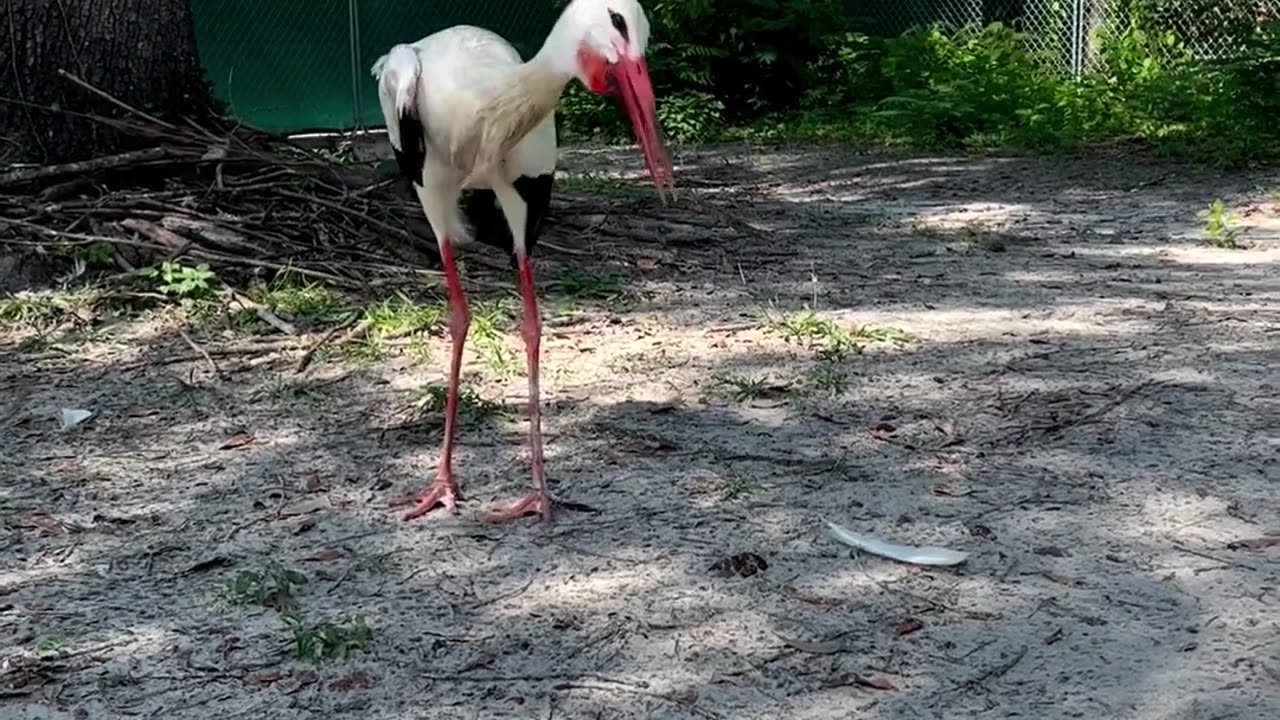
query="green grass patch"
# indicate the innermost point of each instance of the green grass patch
(431, 400)
(828, 379)
(491, 321)
(289, 295)
(833, 342)
(744, 388)
(1219, 227)
(588, 183)
(272, 586)
(322, 641)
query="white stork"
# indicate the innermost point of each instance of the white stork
(464, 112)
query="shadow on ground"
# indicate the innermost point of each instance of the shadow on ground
(1087, 405)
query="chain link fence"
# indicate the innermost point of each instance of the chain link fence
(1202, 29)
(1067, 33)
(298, 65)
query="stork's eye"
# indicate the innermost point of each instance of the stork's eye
(619, 24)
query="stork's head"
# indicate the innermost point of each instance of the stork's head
(604, 41)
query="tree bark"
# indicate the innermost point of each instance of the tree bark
(143, 52)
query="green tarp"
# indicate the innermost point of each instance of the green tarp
(300, 65)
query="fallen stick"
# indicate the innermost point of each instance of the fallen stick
(73, 238)
(217, 372)
(115, 101)
(306, 358)
(238, 350)
(264, 314)
(402, 232)
(168, 238)
(18, 177)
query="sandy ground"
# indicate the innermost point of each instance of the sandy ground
(1087, 404)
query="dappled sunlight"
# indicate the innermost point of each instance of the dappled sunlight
(961, 215)
(1085, 413)
(1195, 255)
(942, 164)
(1179, 510)
(597, 591)
(977, 322)
(14, 579)
(841, 187)
(1217, 256)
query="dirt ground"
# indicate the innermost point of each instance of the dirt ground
(1083, 397)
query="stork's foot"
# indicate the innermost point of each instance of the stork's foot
(442, 492)
(537, 502)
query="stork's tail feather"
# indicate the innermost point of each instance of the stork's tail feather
(398, 73)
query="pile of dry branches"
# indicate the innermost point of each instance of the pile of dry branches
(240, 201)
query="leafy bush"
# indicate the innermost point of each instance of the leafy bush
(974, 83)
(793, 69)
(1156, 90)
(718, 61)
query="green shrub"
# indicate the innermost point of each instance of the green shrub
(946, 88)
(793, 69)
(714, 62)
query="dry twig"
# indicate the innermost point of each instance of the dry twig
(360, 328)
(240, 200)
(217, 372)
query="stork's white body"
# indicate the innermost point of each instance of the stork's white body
(468, 66)
(464, 112)
(448, 76)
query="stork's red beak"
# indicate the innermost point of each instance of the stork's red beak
(629, 78)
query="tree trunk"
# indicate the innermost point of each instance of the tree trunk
(142, 52)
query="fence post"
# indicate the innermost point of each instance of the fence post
(1078, 38)
(353, 43)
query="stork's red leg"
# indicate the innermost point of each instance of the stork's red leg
(538, 501)
(444, 491)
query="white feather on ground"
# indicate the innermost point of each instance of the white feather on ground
(916, 555)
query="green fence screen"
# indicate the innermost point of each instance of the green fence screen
(299, 65)
(303, 65)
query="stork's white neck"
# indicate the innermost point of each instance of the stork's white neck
(525, 98)
(540, 81)
(559, 52)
